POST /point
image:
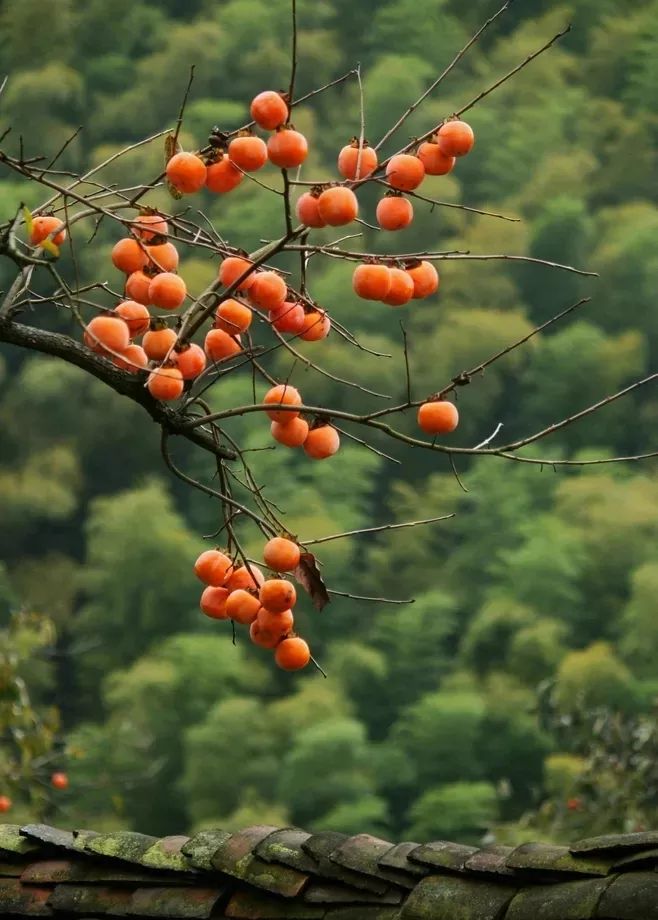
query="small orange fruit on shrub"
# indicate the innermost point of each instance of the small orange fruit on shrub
(438, 417)
(242, 606)
(289, 317)
(59, 781)
(219, 345)
(292, 433)
(212, 567)
(276, 623)
(42, 227)
(190, 361)
(394, 212)
(186, 172)
(269, 110)
(135, 316)
(248, 152)
(223, 176)
(148, 226)
(435, 161)
(268, 290)
(164, 256)
(137, 287)
(213, 602)
(165, 383)
(277, 595)
(286, 395)
(5, 804)
(263, 637)
(338, 206)
(322, 442)
(233, 316)
(109, 332)
(425, 278)
(372, 282)
(133, 359)
(348, 159)
(401, 290)
(455, 138)
(405, 172)
(281, 554)
(247, 579)
(287, 148)
(292, 654)
(128, 256)
(167, 291)
(307, 210)
(158, 342)
(232, 268)
(317, 325)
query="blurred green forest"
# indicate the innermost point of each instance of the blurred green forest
(486, 703)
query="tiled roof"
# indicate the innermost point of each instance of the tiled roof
(269, 873)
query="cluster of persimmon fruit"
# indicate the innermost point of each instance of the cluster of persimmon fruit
(242, 593)
(319, 440)
(58, 780)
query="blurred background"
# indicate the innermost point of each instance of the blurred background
(516, 697)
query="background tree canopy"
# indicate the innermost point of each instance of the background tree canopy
(534, 606)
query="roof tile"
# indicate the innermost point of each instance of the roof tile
(641, 859)
(442, 897)
(176, 903)
(90, 900)
(398, 858)
(125, 845)
(235, 857)
(12, 841)
(286, 847)
(442, 854)
(542, 856)
(253, 905)
(361, 854)
(43, 833)
(321, 846)
(631, 897)
(365, 913)
(575, 900)
(28, 901)
(326, 893)
(648, 839)
(54, 871)
(491, 861)
(201, 848)
(166, 854)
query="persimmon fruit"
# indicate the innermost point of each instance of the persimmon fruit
(109, 332)
(158, 342)
(129, 256)
(165, 383)
(213, 602)
(233, 316)
(5, 804)
(401, 290)
(232, 268)
(59, 780)
(287, 148)
(285, 395)
(212, 567)
(371, 282)
(292, 433)
(435, 161)
(262, 637)
(322, 442)
(186, 172)
(268, 290)
(277, 595)
(137, 287)
(425, 278)
(289, 317)
(190, 361)
(308, 211)
(149, 226)
(455, 138)
(269, 110)
(394, 212)
(438, 417)
(164, 256)
(248, 152)
(219, 345)
(281, 554)
(292, 654)
(242, 606)
(279, 623)
(405, 172)
(223, 176)
(245, 578)
(317, 325)
(167, 291)
(338, 206)
(43, 227)
(350, 166)
(135, 316)
(133, 359)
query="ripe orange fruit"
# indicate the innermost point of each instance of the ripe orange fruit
(213, 602)
(128, 256)
(401, 290)
(316, 326)
(232, 268)
(242, 606)
(269, 110)
(307, 210)
(372, 282)
(285, 395)
(165, 383)
(394, 212)
(438, 417)
(292, 433)
(233, 316)
(425, 278)
(212, 567)
(158, 342)
(59, 781)
(167, 291)
(348, 158)
(405, 172)
(5, 803)
(322, 442)
(164, 256)
(248, 152)
(281, 554)
(148, 226)
(292, 654)
(109, 332)
(435, 161)
(455, 138)
(223, 176)
(186, 172)
(93, 345)
(287, 148)
(289, 317)
(135, 316)
(277, 595)
(42, 227)
(268, 290)
(137, 287)
(245, 579)
(219, 345)
(262, 637)
(133, 359)
(190, 361)
(276, 623)
(338, 205)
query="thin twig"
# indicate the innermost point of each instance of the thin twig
(379, 529)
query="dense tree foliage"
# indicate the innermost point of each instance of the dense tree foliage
(537, 596)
